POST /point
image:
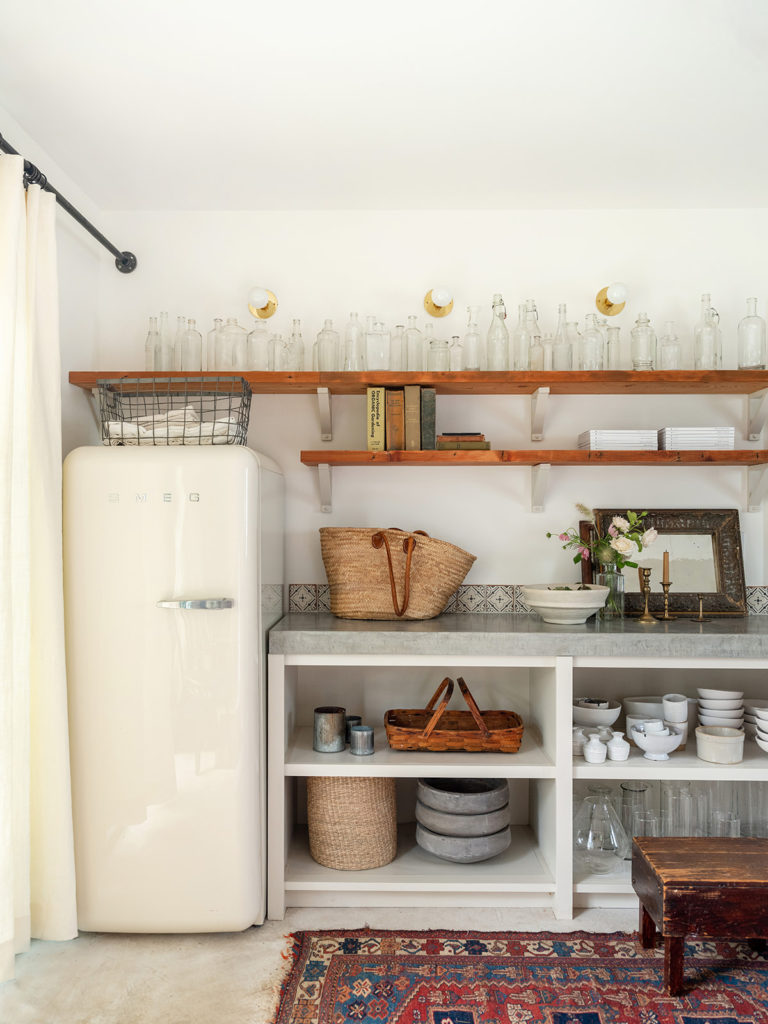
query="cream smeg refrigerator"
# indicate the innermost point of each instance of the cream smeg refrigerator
(173, 573)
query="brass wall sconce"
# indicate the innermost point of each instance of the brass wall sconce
(612, 299)
(438, 302)
(262, 303)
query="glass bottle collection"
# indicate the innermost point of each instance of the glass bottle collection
(375, 346)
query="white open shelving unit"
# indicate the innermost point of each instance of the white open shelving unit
(538, 869)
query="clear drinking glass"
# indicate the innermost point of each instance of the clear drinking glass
(751, 339)
(634, 799)
(676, 808)
(645, 823)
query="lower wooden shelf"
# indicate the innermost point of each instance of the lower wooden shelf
(537, 456)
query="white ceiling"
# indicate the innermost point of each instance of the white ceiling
(300, 104)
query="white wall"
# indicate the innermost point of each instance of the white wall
(328, 263)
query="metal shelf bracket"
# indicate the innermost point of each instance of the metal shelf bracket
(538, 410)
(539, 476)
(757, 487)
(757, 414)
(324, 409)
(324, 483)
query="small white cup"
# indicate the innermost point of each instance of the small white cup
(675, 707)
(654, 725)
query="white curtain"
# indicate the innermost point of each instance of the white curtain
(37, 876)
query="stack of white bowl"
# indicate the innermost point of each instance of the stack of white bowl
(723, 708)
(756, 721)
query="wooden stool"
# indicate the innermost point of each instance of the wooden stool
(717, 888)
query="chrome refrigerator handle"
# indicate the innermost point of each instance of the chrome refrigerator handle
(208, 604)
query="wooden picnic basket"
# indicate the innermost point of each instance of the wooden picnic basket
(433, 728)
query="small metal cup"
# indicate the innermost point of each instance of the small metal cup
(352, 720)
(329, 730)
(361, 739)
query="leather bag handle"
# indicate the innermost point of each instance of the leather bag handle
(379, 539)
(447, 685)
(476, 713)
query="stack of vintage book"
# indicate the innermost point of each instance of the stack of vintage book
(463, 440)
(400, 419)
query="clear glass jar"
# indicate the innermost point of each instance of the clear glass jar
(497, 343)
(151, 344)
(670, 350)
(609, 576)
(438, 355)
(397, 348)
(473, 342)
(592, 356)
(354, 345)
(190, 355)
(414, 347)
(751, 339)
(643, 344)
(707, 339)
(328, 348)
(232, 346)
(521, 341)
(260, 348)
(376, 346)
(600, 842)
(613, 358)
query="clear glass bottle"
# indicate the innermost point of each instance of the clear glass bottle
(397, 348)
(521, 341)
(562, 353)
(456, 354)
(292, 349)
(260, 348)
(354, 345)
(191, 348)
(151, 345)
(438, 353)
(751, 339)
(613, 348)
(211, 344)
(497, 344)
(670, 350)
(573, 336)
(165, 340)
(547, 352)
(562, 319)
(175, 356)
(473, 342)
(707, 339)
(232, 351)
(592, 356)
(164, 351)
(376, 345)
(536, 355)
(280, 350)
(328, 348)
(414, 347)
(600, 842)
(643, 344)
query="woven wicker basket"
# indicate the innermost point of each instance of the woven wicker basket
(473, 730)
(390, 574)
(352, 821)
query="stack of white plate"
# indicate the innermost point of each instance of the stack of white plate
(721, 707)
(682, 438)
(619, 440)
(756, 721)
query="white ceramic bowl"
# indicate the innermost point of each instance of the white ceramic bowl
(644, 707)
(720, 705)
(566, 607)
(763, 744)
(588, 714)
(719, 744)
(736, 714)
(656, 746)
(753, 705)
(761, 714)
(730, 723)
(720, 694)
(750, 731)
(762, 729)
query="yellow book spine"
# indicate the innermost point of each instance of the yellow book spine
(375, 405)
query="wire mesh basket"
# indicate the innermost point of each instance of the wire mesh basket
(174, 410)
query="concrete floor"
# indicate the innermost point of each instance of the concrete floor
(218, 979)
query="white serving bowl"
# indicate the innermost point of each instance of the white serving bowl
(588, 714)
(763, 744)
(736, 714)
(719, 744)
(730, 723)
(566, 607)
(754, 706)
(721, 705)
(761, 714)
(720, 694)
(761, 730)
(657, 747)
(753, 720)
(644, 707)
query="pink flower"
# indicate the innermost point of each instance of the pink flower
(612, 531)
(585, 554)
(564, 536)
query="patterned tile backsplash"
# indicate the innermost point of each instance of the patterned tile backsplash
(490, 598)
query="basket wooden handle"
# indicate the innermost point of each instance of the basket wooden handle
(447, 685)
(379, 539)
(476, 712)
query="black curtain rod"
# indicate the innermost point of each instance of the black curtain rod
(124, 261)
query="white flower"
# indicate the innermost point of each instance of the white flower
(620, 523)
(623, 545)
(648, 537)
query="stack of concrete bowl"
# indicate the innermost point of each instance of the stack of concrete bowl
(463, 820)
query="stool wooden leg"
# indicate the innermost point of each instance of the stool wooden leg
(647, 929)
(673, 964)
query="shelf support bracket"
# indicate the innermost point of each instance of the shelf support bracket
(324, 482)
(93, 405)
(757, 486)
(538, 409)
(324, 408)
(758, 413)
(539, 476)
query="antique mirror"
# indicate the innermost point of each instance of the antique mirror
(705, 560)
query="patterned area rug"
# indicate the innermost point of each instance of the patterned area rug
(446, 977)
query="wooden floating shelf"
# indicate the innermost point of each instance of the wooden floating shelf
(531, 457)
(606, 382)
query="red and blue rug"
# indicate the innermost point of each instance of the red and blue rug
(448, 977)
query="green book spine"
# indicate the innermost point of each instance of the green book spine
(374, 419)
(412, 417)
(428, 400)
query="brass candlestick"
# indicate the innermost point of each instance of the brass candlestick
(701, 617)
(646, 616)
(666, 614)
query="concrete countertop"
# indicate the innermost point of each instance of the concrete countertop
(512, 635)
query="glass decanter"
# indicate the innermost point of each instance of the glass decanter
(151, 344)
(190, 356)
(707, 339)
(643, 344)
(328, 348)
(751, 339)
(376, 345)
(591, 355)
(211, 344)
(521, 341)
(354, 345)
(414, 347)
(438, 353)
(670, 350)
(397, 348)
(613, 348)
(260, 348)
(599, 840)
(497, 344)
(473, 342)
